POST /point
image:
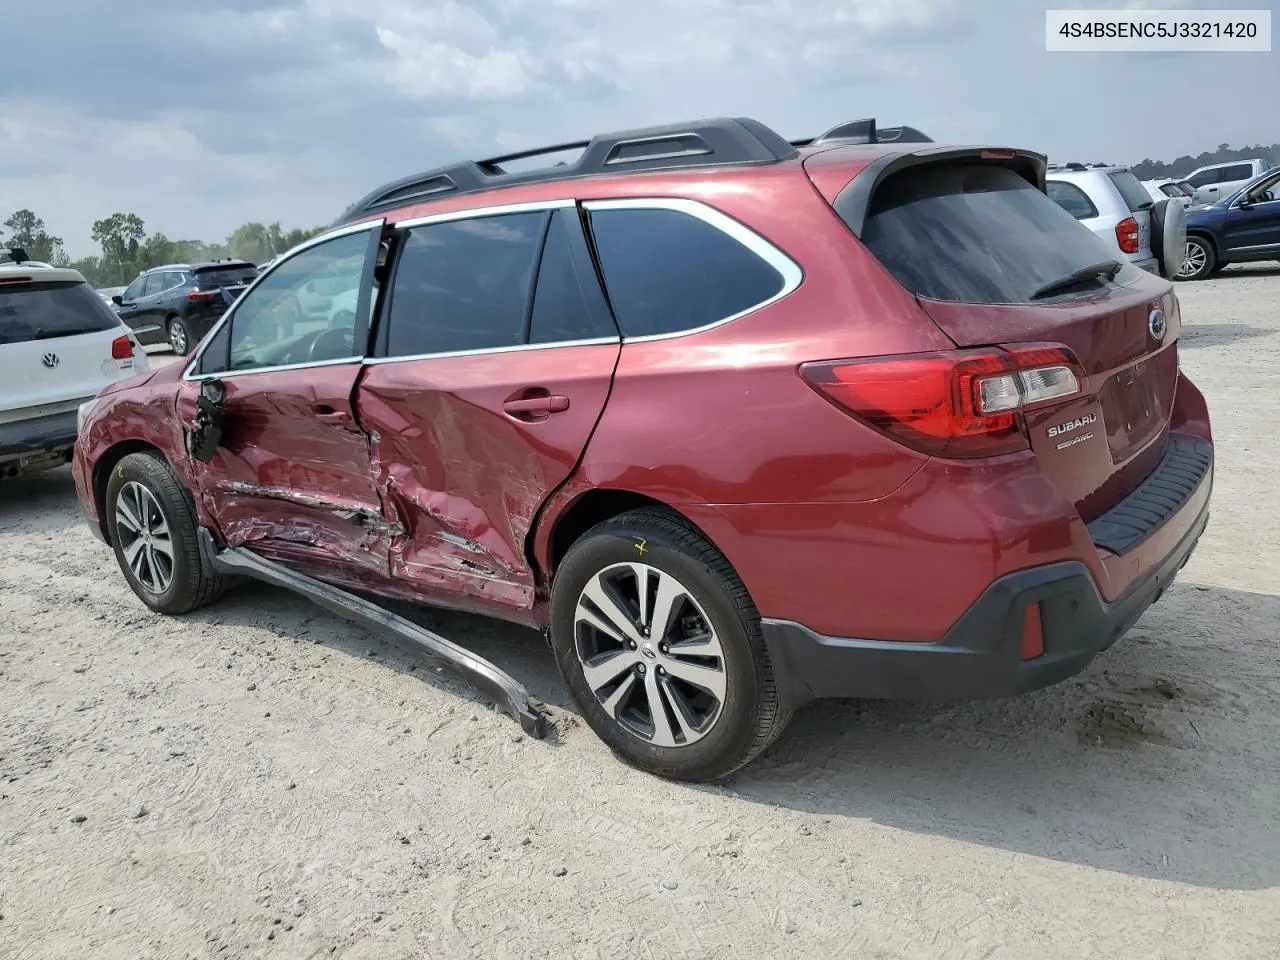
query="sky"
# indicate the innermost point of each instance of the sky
(200, 115)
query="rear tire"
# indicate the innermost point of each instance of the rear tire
(695, 701)
(152, 525)
(179, 336)
(1200, 260)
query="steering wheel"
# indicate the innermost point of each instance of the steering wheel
(331, 345)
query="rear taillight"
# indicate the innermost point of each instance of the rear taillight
(960, 403)
(121, 348)
(1127, 235)
(199, 296)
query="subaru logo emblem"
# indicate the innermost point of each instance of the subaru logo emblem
(50, 360)
(1156, 324)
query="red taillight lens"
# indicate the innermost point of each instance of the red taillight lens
(961, 403)
(199, 296)
(1127, 235)
(121, 348)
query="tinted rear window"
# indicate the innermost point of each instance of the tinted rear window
(44, 311)
(224, 277)
(1241, 171)
(667, 271)
(464, 285)
(1131, 188)
(1071, 199)
(974, 233)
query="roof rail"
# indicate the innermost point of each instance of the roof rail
(865, 131)
(701, 143)
(1067, 166)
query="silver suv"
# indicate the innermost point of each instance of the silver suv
(1114, 204)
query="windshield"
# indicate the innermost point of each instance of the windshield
(978, 233)
(44, 311)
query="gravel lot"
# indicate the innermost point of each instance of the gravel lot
(260, 779)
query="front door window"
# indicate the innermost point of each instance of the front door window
(282, 321)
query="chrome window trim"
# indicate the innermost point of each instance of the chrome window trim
(315, 241)
(475, 213)
(225, 375)
(515, 348)
(791, 272)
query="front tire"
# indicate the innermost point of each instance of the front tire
(1200, 260)
(152, 525)
(661, 648)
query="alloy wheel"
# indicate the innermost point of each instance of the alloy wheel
(650, 655)
(178, 337)
(1194, 261)
(144, 537)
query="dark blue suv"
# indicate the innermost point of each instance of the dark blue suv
(180, 302)
(1237, 229)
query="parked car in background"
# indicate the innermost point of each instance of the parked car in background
(59, 345)
(1160, 189)
(708, 407)
(1114, 204)
(1240, 228)
(1220, 180)
(178, 303)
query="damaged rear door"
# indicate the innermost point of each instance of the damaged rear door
(291, 476)
(493, 362)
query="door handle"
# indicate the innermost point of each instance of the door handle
(327, 414)
(535, 405)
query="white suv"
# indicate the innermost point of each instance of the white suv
(1114, 204)
(60, 344)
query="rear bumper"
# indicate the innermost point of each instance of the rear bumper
(981, 655)
(54, 434)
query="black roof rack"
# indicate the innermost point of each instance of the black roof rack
(865, 131)
(713, 142)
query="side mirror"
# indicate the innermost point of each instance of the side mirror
(118, 300)
(1244, 203)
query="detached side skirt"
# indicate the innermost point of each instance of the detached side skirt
(458, 661)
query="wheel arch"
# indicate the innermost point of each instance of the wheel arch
(1200, 233)
(563, 524)
(102, 475)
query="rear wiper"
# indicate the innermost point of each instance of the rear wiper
(1107, 269)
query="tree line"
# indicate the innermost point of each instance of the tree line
(127, 250)
(1158, 170)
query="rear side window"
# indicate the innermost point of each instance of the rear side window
(1131, 188)
(464, 285)
(1241, 171)
(568, 304)
(45, 311)
(667, 271)
(975, 233)
(224, 277)
(1071, 199)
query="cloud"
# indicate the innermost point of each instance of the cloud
(201, 116)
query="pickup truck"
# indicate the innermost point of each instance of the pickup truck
(1219, 180)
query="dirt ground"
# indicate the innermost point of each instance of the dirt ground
(261, 779)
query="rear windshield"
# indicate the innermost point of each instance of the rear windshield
(1135, 194)
(44, 311)
(225, 277)
(976, 233)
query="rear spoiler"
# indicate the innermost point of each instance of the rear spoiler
(854, 200)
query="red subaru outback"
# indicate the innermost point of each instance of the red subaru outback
(739, 422)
